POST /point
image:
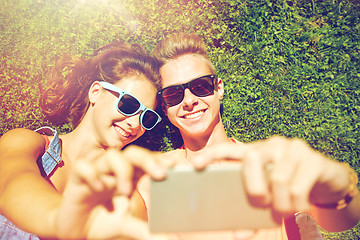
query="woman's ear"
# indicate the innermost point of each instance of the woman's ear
(220, 88)
(94, 91)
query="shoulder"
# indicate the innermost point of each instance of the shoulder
(19, 135)
(22, 140)
(19, 151)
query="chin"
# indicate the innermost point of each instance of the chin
(197, 129)
(119, 143)
(194, 132)
(119, 146)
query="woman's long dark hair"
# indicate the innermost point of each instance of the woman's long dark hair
(66, 98)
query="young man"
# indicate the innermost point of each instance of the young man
(301, 179)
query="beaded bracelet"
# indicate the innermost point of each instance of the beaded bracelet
(344, 202)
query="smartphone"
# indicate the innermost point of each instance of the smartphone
(209, 200)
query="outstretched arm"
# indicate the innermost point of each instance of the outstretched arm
(94, 204)
(22, 186)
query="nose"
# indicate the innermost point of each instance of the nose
(189, 98)
(133, 122)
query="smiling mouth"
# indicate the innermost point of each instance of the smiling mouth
(121, 131)
(194, 115)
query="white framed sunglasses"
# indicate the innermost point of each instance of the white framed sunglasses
(129, 105)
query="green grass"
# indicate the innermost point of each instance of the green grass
(290, 67)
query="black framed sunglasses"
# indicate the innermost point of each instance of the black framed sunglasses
(129, 105)
(200, 87)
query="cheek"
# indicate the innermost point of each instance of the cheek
(141, 131)
(105, 113)
(171, 112)
(215, 105)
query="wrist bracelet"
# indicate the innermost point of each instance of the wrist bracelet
(352, 190)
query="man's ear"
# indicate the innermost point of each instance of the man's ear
(94, 91)
(220, 88)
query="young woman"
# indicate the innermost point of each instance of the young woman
(76, 185)
(301, 179)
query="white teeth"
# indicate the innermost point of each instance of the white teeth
(194, 115)
(122, 132)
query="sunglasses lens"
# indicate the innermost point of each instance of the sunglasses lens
(202, 87)
(149, 119)
(128, 104)
(173, 95)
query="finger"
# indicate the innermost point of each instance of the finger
(272, 149)
(108, 167)
(146, 160)
(231, 151)
(170, 160)
(135, 228)
(117, 166)
(132, 227)
(244, 234)
(85, 173)
(286, 161)
(305, 178)
(255, 179)
(222, 151)
(280, 178)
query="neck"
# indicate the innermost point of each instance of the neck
(81, 144)
(194, 145)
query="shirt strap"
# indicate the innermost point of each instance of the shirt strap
(52, 156)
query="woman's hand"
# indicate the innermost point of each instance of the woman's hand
(96, 199)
